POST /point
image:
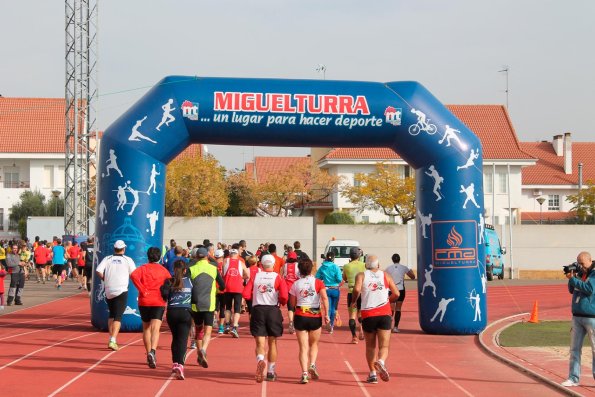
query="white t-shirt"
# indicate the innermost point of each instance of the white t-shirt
(116, 271)
(397, 272)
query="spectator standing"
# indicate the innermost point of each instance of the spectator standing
(16, 269)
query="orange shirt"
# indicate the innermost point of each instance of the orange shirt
(279, 262)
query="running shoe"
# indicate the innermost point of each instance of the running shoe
(178, 371)
(201, 358)
(19, 303)
(227, 329)
(80, 287)
(193, 345)
(331, 329)
(313, 372)
(59, 286)
(304, 379)
(372, 379)
(113, 346)
(354, 340)
(291, 328)
(382, 372)
(260, 366)
(221, 330)
(151, 360)
(234, 332)
(271, 377)
(569, 383)
(396, 330)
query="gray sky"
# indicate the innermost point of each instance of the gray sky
(455, 48)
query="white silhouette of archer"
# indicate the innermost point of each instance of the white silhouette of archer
(428, 281)
(473, 155)
(442, 308)
(437, 181)
(102, 212)
(424, 221)
(481, 226)
(470, 192)
(136, 135)
(135, 196)
(112, 163)
(122, 201)
(153, 184)
(449, 134)
(474, 300)
(153, 217)
(167, 117)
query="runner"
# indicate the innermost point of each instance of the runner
(330, 274)
(115, 271)
(397, 271)
(308, 296)
(253, 268)
(73, 253)
(88, 256)
(205, 279)
(373, 284)
(219, 298)
(148, 279)
(290, 273)
(59, 261)
(267, 291)
(350, 270)
(41, 259)
(234, 274)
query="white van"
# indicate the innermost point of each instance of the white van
(341, 250)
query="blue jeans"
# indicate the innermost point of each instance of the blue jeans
(333, 302)
(581, 326)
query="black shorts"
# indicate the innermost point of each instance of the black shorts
(72, 263)
(359, 301)
(235, 299)
(303, 323)
(266, 321)
(148, 313)
(117, 305)
(401, 297)
(375, 323)
(38, 266)
(203, 318)
(58, 269)
(88, 272)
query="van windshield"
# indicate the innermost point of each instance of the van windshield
(341, 252)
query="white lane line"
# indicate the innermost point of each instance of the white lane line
(46, 318)
(44, 329)
(90, 368)
(40, 304)
(264, 389)
(359, 383)
(450, 380)
(171, 377)
(45, 348)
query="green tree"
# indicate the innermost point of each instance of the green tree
(339, 218)
(32, 203)
(584, 203)
(242, 199)
(384, 189)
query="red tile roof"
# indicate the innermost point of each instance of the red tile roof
(194, 150)
(549, 169)
(266, 166)
(32, 125)
(489, 122)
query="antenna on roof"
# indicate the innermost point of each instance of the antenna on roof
(321, 69)
(505, 70)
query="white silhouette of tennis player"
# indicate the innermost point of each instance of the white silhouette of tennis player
(450, 134)
(428, 281)
(112, 163)
(136, 135)
(442, 308)
(437, 181)
(473, 155)
(424, 221)
(470, 192)
(167, 117)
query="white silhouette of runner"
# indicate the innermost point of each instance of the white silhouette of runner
(442, 308)
(153, 184)
(153, 217)
(136, 135)
(421, 117)
(437, 181)
(167, 117)
(475, 300)
(449, 134)
(135, 196)
(102, 211)
(470, 192)
(424, 221)
(473, 155)
(481, 226)
(122, 200)
(428, 281)
(112, 163)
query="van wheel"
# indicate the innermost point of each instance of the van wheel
(489, 275)
(501, 275)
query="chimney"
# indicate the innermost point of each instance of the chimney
(557, 144)
(567, 154)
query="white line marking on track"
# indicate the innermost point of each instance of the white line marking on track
(41, 304)
(171, 377)
(44, 329)
(359, 383)
(264, 389)
(44, 348)
(45, 318)
(450, 380)
(90, 368)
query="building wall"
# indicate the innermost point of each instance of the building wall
(530, 195)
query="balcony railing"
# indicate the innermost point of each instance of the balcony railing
(16, 184)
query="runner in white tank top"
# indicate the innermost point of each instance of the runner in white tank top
(373, 285)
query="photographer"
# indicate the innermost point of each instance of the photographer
(581, 284)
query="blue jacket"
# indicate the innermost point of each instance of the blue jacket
(330, 274)
(583, 295)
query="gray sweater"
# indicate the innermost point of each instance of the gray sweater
(12, 262)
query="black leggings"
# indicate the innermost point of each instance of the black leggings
(179, 321)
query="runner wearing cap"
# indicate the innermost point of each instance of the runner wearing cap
(373, 284)
(115, 272)
(350, 270)
(267, 291)
(219, 298)
(290, 273)
(234, 274)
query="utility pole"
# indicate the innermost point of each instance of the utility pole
(321, 69)
(505, 70)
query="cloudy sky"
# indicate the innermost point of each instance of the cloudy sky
(455, 48)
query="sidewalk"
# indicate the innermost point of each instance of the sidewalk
(35, 294)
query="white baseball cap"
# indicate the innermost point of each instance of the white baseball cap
(219, 253)
(267, 260)
(119, 244)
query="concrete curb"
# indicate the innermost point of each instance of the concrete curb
(485, 346)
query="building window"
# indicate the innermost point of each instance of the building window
(356, 182)
(1, 219)
(61, 178)
(11, 180)
(553, 202)
(365, 219)
(48, 176)
(488, 179)
(13, 225)
(502, 182)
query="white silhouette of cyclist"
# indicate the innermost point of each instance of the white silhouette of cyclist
(167, 117)
(470, 192)
(442, 308)
(424, 220)
(437, 181)
(136, 135)
(473, 155)
(421, 117)
(450, 134)
(112, 163)
(428, 281)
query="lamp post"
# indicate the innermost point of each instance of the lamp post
(56, 194)
(540, 200)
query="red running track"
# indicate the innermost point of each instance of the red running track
(60, 354)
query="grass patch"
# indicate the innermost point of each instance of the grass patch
(546, 333)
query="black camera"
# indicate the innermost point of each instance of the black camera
(572, 268)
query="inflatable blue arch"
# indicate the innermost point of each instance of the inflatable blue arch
(403, 116)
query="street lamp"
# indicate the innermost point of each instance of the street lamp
(56, 194)
(540, 200)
